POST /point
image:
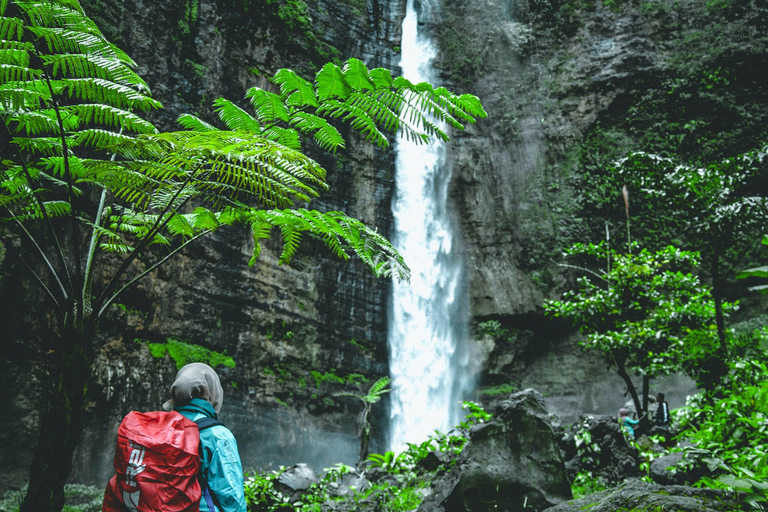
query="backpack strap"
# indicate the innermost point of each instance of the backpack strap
(206, 422)
(208, 496)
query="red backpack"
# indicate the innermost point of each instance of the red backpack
(157, 460)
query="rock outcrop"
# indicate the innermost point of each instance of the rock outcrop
(639, 495)
(511, 463)
(597, 444)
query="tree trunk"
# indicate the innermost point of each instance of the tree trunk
(718, 299)
(630, 386)
(61, 422)
(365, 435)
(646, 387)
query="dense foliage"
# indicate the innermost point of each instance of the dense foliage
(91, 187)
(646, 313)
(729, 430)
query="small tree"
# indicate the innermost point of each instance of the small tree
(373, 396)
(71, 130)
(647, 313)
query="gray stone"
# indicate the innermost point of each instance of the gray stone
(638, 495)
(510, 463)
(296, 480)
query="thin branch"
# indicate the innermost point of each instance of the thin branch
(43, 255)
(95, 237)
(602, 278)
(158, 225)
(44, 214)
(150, 269)
(41, 283)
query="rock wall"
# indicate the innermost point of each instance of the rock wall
(563, 81)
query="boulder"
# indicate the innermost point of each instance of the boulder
(512, 463)
(662, 470)
(638, 495)
(609, 455)
(348, 484)
(295, 480)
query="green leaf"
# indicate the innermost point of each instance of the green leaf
(330, 83)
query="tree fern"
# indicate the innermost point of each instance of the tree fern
(72, 109)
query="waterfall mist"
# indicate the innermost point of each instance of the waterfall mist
(428, 356)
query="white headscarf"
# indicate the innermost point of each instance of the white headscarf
(196, 380)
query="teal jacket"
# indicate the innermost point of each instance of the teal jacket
(220, 460)
(628, 424)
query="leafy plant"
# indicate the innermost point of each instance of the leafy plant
(72, 129)
(644, 312)
(586, 483)
(373, 396)
(730, 432)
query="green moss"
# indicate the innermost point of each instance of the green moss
(184, 353)
(501, 389)
(189, 18)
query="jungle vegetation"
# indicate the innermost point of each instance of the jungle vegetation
(101, 198)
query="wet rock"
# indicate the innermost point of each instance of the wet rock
(638, 495)
(296, 480)
(511, 463)
(608, 455)
(349, 484)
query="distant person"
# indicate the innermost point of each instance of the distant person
(627, 423)
(662, 411)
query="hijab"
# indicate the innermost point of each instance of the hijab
(196, 380)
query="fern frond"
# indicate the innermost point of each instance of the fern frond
(99, 139)
(14, 99)
(16, 73)
(377, 389)
(325, 134)
(332, 228)
(116, 248)
(269, 106)
(356, 75)
(97, 90)
(235, 117)
(46, 146)
(285, 136)
(381, 78)
(14, 52)
(195, 124)
(299, 92)
(80, 65)
(360, 120)
(110, 116)
(36, 122)
(11, 28)
(330, 83)
(57, 208)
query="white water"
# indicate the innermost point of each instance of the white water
(427, 321)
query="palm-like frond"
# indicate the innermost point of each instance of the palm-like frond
(340, 233)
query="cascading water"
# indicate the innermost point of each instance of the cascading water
(428, 356)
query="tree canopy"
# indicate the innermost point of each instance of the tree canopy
(645, 312)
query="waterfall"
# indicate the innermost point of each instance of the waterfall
(427, 321)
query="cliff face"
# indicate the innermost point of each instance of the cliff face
(299, 333)
(568, 84)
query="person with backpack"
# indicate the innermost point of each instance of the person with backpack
(179, 459)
